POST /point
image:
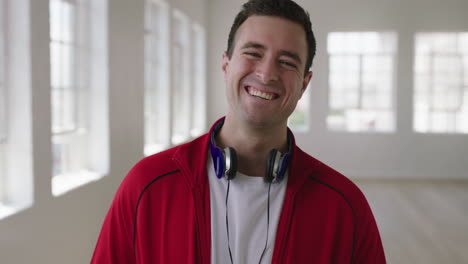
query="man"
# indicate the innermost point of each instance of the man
(244, 192)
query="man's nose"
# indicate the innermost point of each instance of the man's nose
(267, 71)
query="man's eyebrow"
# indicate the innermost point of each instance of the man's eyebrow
(251, 44)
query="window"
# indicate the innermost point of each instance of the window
(181, 78)
(78, 118)
(441, 83)
(175, 77)
(157, 93)
(3, 104)
(299, 119)
(361, 81)
(198, 112)
(16, 188)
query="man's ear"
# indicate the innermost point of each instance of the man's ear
(305, 82)
(225, 63)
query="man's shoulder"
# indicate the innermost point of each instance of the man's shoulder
(167, 162)
(325, 176)
(147, 170)
(157, 163)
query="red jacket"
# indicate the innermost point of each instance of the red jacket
(161, 214)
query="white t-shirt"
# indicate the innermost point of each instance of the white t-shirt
(247, 216)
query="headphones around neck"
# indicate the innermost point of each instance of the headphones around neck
(225, 160)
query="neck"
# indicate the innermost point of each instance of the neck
(252, 144)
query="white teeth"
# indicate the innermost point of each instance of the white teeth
(260, 94)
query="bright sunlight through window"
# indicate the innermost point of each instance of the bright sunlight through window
(361, 81)
(441, 83)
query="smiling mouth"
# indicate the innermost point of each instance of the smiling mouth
(260, 94)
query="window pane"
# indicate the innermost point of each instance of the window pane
(62, 20)
(62, 61)
(361, 42)
(55, 10)
(198, 111)
(463, 43)
(344, 81)
(376, 82)
(299, 119)
(63, 51)
(63, 110)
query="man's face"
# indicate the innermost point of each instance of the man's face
(265, 75)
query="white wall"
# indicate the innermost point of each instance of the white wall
(403, 154)
(64, 229)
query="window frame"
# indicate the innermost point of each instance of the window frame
(429, 95)
(79, 88)
(360, 110)
(81, 153)
(17, 173)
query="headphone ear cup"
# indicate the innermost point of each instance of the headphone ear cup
(269, 174)
(231, 163)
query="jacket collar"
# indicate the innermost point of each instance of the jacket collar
(192, 158)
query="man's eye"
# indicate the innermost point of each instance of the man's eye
(288, 64)
(253, 54)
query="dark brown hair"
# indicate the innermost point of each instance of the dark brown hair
(279, 8)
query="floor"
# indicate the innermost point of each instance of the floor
(421, 221)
